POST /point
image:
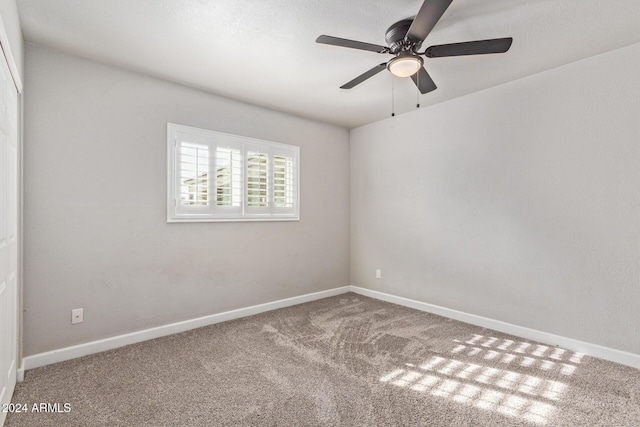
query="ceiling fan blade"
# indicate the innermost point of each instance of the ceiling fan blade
(423, 81)
(428, 16)
(478, 47)
(353, 44)
(364, 76)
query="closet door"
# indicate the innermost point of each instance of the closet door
(8, 234)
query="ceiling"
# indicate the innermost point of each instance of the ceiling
(264, 51)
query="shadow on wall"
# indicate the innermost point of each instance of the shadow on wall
(521, 396)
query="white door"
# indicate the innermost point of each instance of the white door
(8, 234)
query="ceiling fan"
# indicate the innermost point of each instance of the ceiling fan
(405, 39)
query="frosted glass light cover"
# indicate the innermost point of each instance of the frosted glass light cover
(405, 66)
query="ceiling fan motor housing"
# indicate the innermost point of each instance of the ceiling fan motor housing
(395, 37)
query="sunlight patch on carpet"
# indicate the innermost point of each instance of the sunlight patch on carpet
(513, 394)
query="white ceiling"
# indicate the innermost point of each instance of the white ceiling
(264, 51)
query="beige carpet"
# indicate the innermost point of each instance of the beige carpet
(346, 360)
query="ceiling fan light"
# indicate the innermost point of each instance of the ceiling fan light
(405, 65)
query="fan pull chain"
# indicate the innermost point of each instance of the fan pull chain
(418, 90)
(393, 97)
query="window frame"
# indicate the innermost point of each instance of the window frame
(176, 212)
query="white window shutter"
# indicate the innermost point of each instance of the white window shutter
(214, 176)
(283, 182)
(257, 181)
(228, 177)
(194, 174)
(191, 175)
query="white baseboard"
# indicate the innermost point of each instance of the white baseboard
(595, 350)
(68, 353)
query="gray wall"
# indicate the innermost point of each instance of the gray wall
(519, 203)
(96, 235)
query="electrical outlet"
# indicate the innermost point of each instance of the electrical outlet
(77, 315)
(378, 274)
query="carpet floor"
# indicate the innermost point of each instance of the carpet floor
(342, 361)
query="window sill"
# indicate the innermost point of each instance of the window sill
(253, 219)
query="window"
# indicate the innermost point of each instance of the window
(214, 176)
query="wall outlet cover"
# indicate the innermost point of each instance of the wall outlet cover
(77, 315)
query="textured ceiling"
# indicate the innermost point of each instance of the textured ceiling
(264, 51)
